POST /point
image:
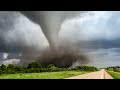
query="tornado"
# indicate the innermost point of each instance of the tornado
(60, 53)
(50, 22)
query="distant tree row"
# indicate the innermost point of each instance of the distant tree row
(85, 68)
(36, 67)
(114, 68)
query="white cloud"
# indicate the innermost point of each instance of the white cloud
(100, 25)
(5, 55)
(10, 61)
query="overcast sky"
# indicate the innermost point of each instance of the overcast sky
(99, 27)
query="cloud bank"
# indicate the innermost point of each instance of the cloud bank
(98, 28)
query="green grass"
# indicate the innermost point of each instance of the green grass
(43, 75)
(115, 75)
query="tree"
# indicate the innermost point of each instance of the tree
(1, 72)
(52, 67)
(11, 66)
(34, 65)
(19, 69)
(3, 68)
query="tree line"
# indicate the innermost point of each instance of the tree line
(36, 67)
(114, 68)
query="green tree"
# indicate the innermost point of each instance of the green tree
(34, 65)
(3, 68)
(11, 66)
(52, 67)
(19, 69)
(1, 72)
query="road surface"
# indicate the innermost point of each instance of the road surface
(102, 74)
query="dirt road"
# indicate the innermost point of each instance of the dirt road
(102, 74)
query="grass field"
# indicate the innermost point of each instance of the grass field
(43, 75)
(115, 75)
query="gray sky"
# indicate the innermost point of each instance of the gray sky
(100, 29)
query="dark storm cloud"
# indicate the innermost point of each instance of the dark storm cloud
(95, 31)
(97, 44)
(6, 23)
(18, 34)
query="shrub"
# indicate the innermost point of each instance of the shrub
(116, 69)
(51, 66)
